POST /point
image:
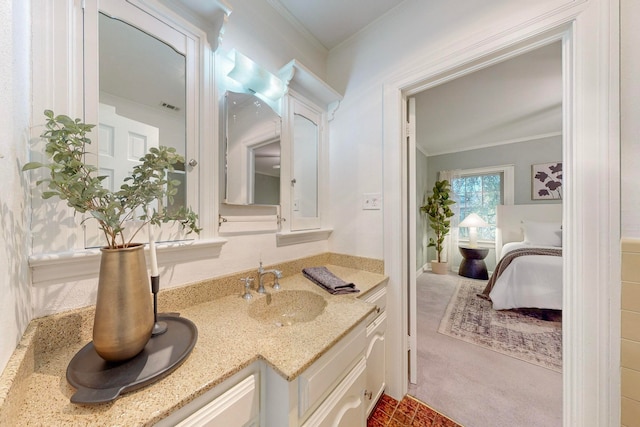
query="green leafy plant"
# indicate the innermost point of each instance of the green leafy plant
(438, 210)
(77, 182)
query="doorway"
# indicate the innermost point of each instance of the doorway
(507, 114)
(591, 155)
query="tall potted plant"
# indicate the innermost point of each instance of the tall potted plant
(438, 210)
(124, 315)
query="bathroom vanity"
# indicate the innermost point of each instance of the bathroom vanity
(245, 370)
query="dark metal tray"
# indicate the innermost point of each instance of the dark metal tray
(99, 381)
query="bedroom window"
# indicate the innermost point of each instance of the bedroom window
(480, 191)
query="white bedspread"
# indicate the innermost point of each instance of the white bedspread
(529, 281)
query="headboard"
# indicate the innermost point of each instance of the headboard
(509, 221)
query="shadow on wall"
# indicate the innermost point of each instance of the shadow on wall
(14, 255)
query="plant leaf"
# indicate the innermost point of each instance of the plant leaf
(32, 165)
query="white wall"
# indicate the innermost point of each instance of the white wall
(630, 117)
(15, 303)
(253, 28)
(258, 31)
(413, 31)
(422, 39)
(520, 154)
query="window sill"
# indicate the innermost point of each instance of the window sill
(306, 236)
(60, 266)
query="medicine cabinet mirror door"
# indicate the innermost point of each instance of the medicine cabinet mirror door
(306, 150)
(143, 65)
(252, 151)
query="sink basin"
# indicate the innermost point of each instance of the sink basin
(285, 308)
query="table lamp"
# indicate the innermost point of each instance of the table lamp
(473, 221)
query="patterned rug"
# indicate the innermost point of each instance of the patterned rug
(532, 335)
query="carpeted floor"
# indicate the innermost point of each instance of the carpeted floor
(473, 385)
(534, 336)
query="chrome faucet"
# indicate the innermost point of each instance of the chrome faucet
(277, 274)
(247, 285)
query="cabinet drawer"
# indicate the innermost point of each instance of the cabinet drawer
(316, 382)
(238, 405)
(379, 298)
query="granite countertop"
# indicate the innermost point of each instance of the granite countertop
(228, 341)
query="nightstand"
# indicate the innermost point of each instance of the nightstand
(473, 265)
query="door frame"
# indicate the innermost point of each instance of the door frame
(591, 333)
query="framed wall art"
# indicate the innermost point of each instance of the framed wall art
(546, 181)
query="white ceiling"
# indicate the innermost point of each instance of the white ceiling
(333, 21)
(516, 100)
(510, 101)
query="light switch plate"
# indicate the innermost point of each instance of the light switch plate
(372, 201)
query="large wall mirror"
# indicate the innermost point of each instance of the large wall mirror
(143, 99)
(252, 150)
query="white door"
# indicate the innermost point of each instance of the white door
(122, 142)
(410, 137)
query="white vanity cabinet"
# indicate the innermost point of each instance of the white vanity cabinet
(235, 402)
(338, 389)
(375, 348)
(330, 392)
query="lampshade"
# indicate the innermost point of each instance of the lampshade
(473, 220)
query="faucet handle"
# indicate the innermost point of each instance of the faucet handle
(278, 275)
(247, 285)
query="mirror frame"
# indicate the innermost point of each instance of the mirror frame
(185, 39)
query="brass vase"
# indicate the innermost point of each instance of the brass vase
(124, 312)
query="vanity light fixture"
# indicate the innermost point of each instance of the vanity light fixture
(473, 221)
(255, 78)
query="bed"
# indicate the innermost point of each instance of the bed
(529, 250)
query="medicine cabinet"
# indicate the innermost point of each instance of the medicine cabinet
(309, 105)
(278, 121)
(87, 69)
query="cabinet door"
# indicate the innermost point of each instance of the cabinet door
(306, 166)
(375, 355)
(344, 407)
(238, 406)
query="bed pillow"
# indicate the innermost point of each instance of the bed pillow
(542, 233)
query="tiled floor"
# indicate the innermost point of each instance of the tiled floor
(408, 412)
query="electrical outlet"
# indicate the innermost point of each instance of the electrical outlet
(372, 201)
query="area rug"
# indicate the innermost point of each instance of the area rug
(534, 336)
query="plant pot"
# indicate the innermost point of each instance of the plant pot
(439, 267)
(124, 311)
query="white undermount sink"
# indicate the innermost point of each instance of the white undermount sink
(284, 308)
